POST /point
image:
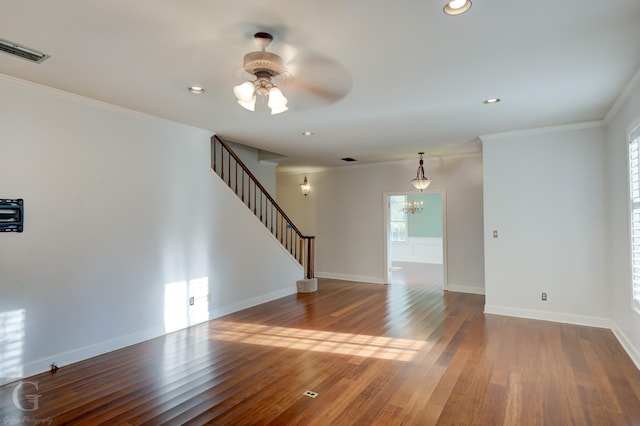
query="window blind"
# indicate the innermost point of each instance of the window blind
(634, 187)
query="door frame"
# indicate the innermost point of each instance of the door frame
(387, 232)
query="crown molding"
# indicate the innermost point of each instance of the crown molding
(543, 130)
(85, 101)
(623, 97)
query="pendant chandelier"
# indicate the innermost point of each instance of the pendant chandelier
(421, 182)
(413, 207)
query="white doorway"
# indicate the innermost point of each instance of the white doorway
(415, 238)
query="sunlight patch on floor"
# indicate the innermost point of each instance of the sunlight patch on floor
(318, 341)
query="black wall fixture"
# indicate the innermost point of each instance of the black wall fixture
(11, 215)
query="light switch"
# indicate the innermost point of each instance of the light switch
(495, 234)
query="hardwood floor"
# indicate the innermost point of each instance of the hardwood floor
(399, 354)
(429, 274)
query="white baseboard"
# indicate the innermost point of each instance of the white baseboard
(465, 289)
(247, 303)
(548, 316)
(100, 348)
(632, 351)
(347, 277)
(81, 354)
(627, 345)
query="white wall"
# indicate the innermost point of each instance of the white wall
(545, 194)
(626, 322)
(119, 206)
(345, 211)
(299, 208)
(264, 171)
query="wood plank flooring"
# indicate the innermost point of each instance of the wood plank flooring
(429, 274)
(405, 354)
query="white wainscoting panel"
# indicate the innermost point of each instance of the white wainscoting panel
(419, 250)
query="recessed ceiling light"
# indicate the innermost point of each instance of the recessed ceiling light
(456, 7)
(197, 90)
(307, 133)
(492, 101)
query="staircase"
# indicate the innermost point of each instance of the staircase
(226, 164)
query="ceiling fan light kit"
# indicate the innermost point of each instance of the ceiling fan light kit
(277, 101)
(244, 91)
(265, 66)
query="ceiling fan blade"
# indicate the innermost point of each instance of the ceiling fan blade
(325, 95)
(317, 81)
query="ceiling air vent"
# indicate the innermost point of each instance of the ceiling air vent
(21, 51)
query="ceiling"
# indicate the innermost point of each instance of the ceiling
(388, 79)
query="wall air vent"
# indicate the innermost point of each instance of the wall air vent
(11, 215)
(22, 52)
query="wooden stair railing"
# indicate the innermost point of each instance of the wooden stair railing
(226, 164)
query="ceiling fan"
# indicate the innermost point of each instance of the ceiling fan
(326, 81)
(266, 67)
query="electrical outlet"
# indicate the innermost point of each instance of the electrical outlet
(544, 296)
(192, 300)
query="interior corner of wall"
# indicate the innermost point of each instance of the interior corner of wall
(632, 350)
